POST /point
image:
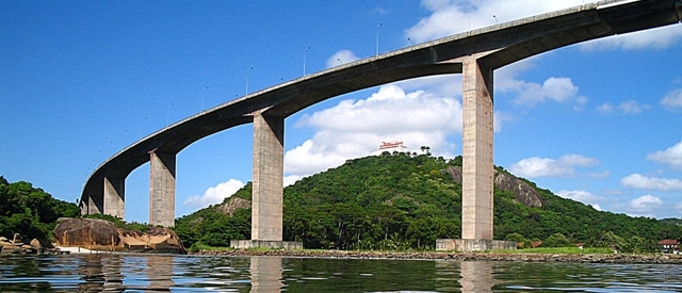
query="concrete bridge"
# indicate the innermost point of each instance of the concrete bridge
(474, 54)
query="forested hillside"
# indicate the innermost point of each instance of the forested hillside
(30, 211)
(401, 201)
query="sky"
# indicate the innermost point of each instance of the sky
(598, 122)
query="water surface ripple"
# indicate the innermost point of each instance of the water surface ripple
(164, 273)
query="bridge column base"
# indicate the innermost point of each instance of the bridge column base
(470, 245)
(247, 244)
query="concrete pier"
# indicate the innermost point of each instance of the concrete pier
(95, 204)
(114, 197)
(477, 150)
(161, 189)
(268, 172)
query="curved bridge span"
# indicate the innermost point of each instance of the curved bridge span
(474, 54)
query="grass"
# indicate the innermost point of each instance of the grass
(559, 250)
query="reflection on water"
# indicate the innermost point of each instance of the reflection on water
(477, 276)
(160, 272)
(164, 273)
(266, 274)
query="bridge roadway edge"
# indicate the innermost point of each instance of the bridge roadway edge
(533, 35)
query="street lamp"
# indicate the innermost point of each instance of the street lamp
(378, 25)
(305, 52)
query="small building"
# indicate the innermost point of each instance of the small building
(391, 147)
(669, 246)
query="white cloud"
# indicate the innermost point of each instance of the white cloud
(628, 107)
(646, 204)
(642, 182)
(581, 196)
(341, 57)
(673, 100)
(450, 17)
(539, 167)
(215, 194)
(632, 107)
(558, 89)
(672, 156)
(355, 128)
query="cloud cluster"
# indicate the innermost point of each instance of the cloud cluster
(582, 196)
(673, 100)
(341, 57)
(645, 204)
(215, 194)
(355, 128)
(450, 16)
(535, 167)
(558, 89)
(628, 107)
(639, 181)
(672, 156)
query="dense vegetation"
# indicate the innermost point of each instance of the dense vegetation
(30, 211)
(404, 201)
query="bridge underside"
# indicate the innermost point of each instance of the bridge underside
(475, 54)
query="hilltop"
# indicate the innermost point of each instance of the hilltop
(401, 201)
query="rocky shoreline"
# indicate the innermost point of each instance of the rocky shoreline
(35, 246)
(432, 255)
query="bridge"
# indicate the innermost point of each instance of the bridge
(474, 54)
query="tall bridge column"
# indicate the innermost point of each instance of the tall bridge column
(161, 189)
(477, 150)
(268, 173)
(114, 197)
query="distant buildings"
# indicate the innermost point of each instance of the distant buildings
(669, 246)
(391, 147)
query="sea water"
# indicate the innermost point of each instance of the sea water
(171, 273)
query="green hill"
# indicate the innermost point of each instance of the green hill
(407, 202)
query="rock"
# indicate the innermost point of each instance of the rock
(36, 244)
(525, 193)
(97, 234)
(86, 232)
(8, 248)
(233, 204)
(17, 239)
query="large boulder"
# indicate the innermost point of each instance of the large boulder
(95, 234)
(86, 233)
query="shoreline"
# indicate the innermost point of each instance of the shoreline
(620, 258)
(459, 256)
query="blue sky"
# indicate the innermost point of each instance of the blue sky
(598, 122)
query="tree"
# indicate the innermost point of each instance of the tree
(556, 240)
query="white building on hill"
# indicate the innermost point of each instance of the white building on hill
(391, 147)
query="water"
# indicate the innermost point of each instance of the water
(163, 273)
